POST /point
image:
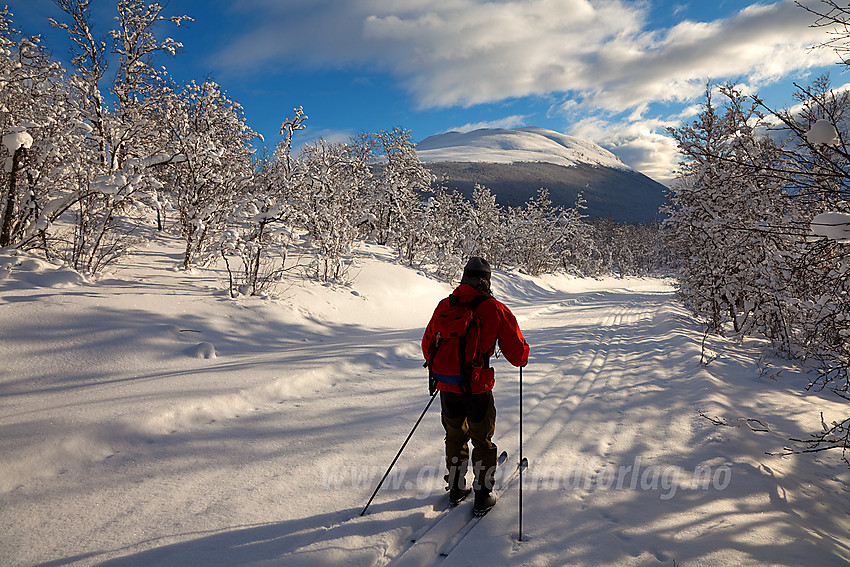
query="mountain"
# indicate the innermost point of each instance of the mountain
(514, 164)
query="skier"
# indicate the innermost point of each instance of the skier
(466, 397)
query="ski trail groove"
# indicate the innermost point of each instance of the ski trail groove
(560, 394)
(552, 415)
(600, 379)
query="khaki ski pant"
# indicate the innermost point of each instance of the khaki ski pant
(470, 418)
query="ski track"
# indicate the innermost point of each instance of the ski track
(549, 412)
(554, 421)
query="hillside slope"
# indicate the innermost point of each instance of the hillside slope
(515, 164)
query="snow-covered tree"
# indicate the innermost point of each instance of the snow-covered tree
(127, 127)
(485, 234)
(396, 193)
(330, 181)
(818, 266)
(741, 216)
(727, 193)
(283, 152)
(266, 220)
(90, 62)
(538, 234)
(210, 167)
(573, 238)
(835, 18)
(441, 239)
(624, 249)
(109, 166)
(32, 104)
(259, 233)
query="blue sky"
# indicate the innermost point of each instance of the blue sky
(612, 71)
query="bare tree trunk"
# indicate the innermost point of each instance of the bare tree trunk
(9, 216)
(187, 257)
(255, 270)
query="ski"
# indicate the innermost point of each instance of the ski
(427, 528)
(455, 541)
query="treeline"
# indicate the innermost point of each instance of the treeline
(746, 225)
(97, 154)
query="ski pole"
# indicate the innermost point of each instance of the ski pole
(386, 474)
(520, 453)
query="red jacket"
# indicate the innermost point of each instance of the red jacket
(497, 324)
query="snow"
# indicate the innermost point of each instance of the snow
(823, 132)
(16, 139)
(529, 144)
(833, 226)
(125, 445)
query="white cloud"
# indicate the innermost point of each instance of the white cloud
(514, 121)
(465, 52)
(309, 137)
(758, 45)
(599, 56)
(643, 145)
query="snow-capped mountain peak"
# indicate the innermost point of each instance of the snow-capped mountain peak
(530, 144)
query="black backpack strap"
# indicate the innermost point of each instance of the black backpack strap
(479, 300)
(432, 380)
(466, 365)
(476, 301)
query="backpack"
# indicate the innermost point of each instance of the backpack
(459, 330)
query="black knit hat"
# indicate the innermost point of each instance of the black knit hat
(477, 274)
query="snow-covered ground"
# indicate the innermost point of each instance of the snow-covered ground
(149, 419)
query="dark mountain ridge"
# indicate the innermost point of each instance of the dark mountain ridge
(564, 165)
